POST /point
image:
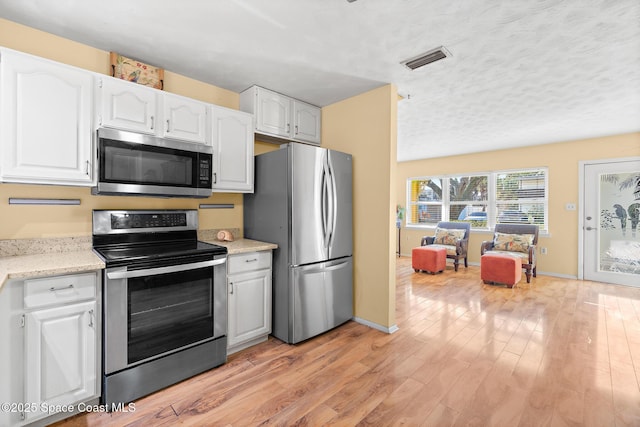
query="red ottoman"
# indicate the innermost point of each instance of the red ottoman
(504, 269)
(429, 259)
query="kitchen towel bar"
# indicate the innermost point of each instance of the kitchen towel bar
(28, 201)
(217, 206)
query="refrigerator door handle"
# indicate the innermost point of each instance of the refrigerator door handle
(334, 203)
(325, 269)
(323, 205)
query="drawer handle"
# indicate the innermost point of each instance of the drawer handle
(251, 260)
(52, 289)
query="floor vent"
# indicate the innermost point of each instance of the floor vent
(426, 58)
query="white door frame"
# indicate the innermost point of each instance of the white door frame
(581, 170)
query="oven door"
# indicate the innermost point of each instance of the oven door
(156, 309)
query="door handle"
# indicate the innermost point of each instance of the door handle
(163, 270)
(591, 228)
(53, 289)
(324, 200)
(330, 268)
(334, 202)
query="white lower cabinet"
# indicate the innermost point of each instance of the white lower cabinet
(249, 299)
(60, 356)
(52, 359)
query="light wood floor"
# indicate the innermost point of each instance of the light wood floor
(556, 353)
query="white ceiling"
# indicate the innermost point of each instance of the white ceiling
(522, 72)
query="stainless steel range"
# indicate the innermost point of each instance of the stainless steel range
(164, 301)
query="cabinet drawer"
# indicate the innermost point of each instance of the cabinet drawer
(59, 290)
(248, 262)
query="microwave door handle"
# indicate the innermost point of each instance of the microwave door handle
(163, 270)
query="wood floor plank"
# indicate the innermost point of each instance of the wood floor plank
(555, 352)
(395, 402)
(463, 391)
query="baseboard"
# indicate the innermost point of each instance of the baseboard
(389, 330)
(561, 276)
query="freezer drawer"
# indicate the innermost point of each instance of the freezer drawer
(322, 297)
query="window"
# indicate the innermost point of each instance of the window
(425, 205)
(521, 197)
(468, 197)
(482, 199)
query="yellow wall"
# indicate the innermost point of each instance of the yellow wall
(562, 159)
(365, 126)
(48, 221)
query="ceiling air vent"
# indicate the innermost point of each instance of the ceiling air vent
(426, 58)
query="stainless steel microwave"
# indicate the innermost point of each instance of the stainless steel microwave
(137, 164)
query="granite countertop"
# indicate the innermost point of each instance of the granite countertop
(47, 264)
(26, 258)
(244, 245)
(238, 246)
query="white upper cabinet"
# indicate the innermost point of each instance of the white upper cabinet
(273, 113)
(45, 116)
(232, 140)
(306, 122)
(184, 118)
(126, 106)
(129, 106)
(281, 117)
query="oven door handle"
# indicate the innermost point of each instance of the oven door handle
(163, 270)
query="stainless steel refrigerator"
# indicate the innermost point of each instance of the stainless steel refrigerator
(302, 201)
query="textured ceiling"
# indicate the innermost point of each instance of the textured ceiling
(522, 72)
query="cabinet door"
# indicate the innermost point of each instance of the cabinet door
(232, 140)
(184, 119)
(249, 306)
(46, 131)
(60, 346)
(125, 105)
(273, 113)
(306, 122)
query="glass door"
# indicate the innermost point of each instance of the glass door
(124, 162)
(168, 311)
(611, 229)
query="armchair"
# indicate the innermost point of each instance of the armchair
(518, 240)
(452, 236)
